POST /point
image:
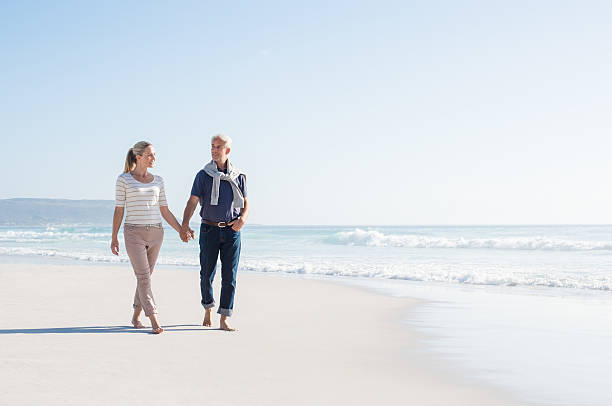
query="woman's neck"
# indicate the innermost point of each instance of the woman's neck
(140, 172)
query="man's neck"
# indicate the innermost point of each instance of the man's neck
(222, 165)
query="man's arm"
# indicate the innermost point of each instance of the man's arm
(244, 213)
(192, 204)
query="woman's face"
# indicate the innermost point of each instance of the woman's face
(147, 159)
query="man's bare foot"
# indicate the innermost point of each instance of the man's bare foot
(207, 322)
(157, 330)
(223, 325)
(137, 324)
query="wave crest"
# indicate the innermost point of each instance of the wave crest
(373, 238)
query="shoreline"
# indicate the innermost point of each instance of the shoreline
(300, 341)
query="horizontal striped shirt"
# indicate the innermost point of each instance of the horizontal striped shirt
(141, 200)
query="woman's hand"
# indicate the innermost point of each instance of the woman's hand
(186, 233)
(115, 246)
(117, 217)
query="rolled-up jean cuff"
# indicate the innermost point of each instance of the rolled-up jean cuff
(225, 312)
(209, 305)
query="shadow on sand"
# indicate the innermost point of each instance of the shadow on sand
(102, 329)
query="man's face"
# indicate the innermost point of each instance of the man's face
(219, 151)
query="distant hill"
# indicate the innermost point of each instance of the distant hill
(32, 212)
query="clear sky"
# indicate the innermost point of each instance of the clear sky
(341, 112)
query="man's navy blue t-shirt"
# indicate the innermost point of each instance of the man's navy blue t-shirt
(224, 210)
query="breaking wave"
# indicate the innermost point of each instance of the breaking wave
(373, 238)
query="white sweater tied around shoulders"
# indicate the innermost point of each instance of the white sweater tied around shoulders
(231, 176)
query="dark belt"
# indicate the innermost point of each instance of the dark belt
(220, 225)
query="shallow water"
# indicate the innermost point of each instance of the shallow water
(523, 308)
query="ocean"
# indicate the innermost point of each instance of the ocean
(523, 308)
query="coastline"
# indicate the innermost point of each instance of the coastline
(66, 339)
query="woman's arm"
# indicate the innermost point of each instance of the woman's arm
(117, 218)
(170, 219)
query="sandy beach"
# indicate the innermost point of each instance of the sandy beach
(65, 338)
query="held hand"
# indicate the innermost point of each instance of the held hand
(115, 246)
(237, 224)
(186, 233)
(184, 236)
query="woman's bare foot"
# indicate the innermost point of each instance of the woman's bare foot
(137, 324)
(207, 322)
(156, 328)
(223, 325)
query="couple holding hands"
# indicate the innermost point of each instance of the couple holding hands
(220, 189)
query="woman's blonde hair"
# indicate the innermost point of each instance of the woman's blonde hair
(130, 159)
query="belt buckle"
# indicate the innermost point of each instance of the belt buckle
(222, 226)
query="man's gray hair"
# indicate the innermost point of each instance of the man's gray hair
(227, 141)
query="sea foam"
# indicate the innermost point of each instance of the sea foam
(25, 236)
(373, 238)
(417, 272)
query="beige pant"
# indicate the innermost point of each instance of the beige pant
(142, 244)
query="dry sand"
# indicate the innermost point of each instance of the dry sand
(65, 339)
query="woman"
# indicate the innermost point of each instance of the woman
(142, 195)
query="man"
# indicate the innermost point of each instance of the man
(220, 188)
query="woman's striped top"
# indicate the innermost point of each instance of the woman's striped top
(141, 200)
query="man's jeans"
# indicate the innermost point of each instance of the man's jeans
(215, 241)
